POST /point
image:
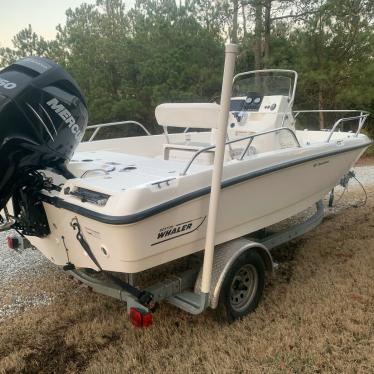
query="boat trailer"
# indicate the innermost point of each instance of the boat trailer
(183, 290)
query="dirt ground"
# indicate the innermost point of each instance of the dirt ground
(365, 161)
(317, 316)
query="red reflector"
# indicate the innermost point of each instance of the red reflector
(12, 242)
(136, 317)
(147, 319)
(140, 319)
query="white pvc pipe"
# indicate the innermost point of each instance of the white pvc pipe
(231, 51)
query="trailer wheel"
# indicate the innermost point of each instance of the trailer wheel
(243, 285)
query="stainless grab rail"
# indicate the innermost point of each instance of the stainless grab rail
(249, 137)
(98, 127)
(297, 112)
(362, 118)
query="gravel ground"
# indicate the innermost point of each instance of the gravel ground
(365, 174)
(16, 269)
(343, 199)
(20, 265)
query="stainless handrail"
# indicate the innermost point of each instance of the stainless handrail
(106, 172)
(249, 137)
(361, 118)
(297, 112)
(98, 127)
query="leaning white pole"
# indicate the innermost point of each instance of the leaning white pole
(231, 51)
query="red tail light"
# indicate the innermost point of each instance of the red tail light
(13, 242)
(136, 317)
(147, 319)
(139, 318)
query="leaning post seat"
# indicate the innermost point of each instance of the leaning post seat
(191, 115)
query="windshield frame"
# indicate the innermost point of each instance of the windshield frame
(280, 72)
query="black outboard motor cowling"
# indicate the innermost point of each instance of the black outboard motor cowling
(43, 116)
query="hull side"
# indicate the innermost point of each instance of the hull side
(245, 207)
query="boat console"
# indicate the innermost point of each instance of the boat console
(251, 112)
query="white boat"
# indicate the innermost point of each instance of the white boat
(134, 203)
(143, 201)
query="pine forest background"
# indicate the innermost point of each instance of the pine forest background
(127, 59)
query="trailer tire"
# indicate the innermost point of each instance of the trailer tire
(243, 286)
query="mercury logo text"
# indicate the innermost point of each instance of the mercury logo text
(55, 105)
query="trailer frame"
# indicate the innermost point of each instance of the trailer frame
(184, 289)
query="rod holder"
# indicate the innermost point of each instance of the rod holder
(231, 51)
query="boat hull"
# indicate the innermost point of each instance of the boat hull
(249, 204)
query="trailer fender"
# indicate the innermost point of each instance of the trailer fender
(224, 256)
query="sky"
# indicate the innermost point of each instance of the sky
(43, 15)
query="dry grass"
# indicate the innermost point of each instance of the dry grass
(317, 316)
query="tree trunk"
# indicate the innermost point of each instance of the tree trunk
(234, 31)
(258, 34)
(267, 28)
(244, 19)
(320, 107)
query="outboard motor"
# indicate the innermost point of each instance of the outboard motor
(43, 116)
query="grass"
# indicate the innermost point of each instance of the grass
(370, 152)
(317, 316)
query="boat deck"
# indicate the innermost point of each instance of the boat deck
(115, 171)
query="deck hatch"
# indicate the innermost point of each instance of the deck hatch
(90, 196)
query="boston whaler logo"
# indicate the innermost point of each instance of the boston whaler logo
(179, 229)
(55, 105)
(321, 163)
(6, 84)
